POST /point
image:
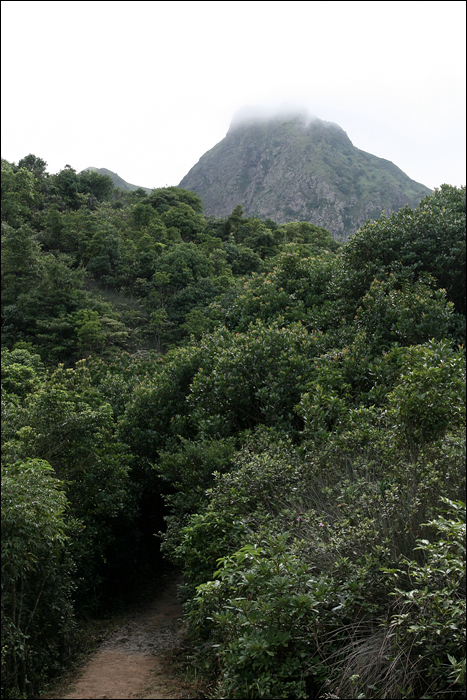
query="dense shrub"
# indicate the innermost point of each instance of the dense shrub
(37, 582)
(325, 523)
(430, 238)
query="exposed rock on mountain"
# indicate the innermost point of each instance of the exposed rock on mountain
(298, 167)
(118, 181)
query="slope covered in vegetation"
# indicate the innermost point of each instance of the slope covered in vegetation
(289, 412)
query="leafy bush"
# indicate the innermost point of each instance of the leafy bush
(430, 395)
(66, 423)
(37, 613)
(430, 606)
(350, 509)
(237, 505)
(252, 378)
(406, 313)
(20, 370)
(263, 636)
(157, 412)
(294, 290)
(190, 471)
(302, 442)
(430, 238)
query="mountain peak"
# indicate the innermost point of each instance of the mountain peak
(287, 165)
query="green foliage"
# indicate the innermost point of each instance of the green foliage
(191, 470)
(35, 165)
(67, 424)
(430, 605)
(40, 291)
(67, 187)
(298, 437)
(430, 396)
(302, 542)
(157, 248)
(99, 187)
(316, 238)
(261, 634)
(37, 614)
(407, 313)
(295, 290)
(251, 378)
(19, 194)
(186, 220)
(196, 323)
(430, 238)
(157, 412)
(242, 260)
(421, 388)
(21, 372)
(97, 333)
(117, 379)
(164, 197)
(236, 506)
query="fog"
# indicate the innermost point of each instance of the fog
(146, 88)
(283, 109)
(252, 113)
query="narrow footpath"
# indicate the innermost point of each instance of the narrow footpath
(129, 663)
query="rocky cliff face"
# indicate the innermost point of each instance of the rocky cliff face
(295, 168)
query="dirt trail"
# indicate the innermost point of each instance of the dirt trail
(128, 663)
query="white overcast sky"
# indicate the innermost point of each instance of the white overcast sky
(146, 88)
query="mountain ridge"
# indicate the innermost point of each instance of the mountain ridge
(117, 180)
